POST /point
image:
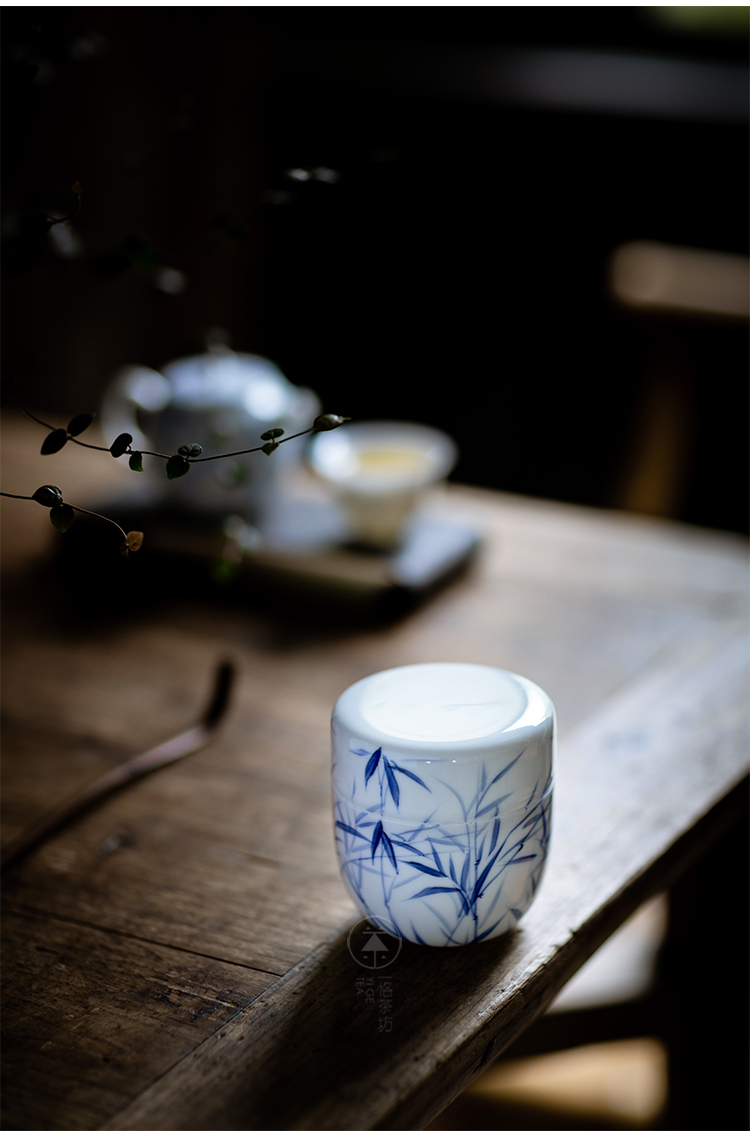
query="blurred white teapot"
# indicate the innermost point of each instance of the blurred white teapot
(223, 401)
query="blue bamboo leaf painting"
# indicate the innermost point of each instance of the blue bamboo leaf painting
(426, 869)
(377, 759)
(392, 785)
(426, 893)
(388, 847)
(411, 775)
(487, 932)
(476, 861)
(376, 837)
(507, 768)
(372, 764)
(436, 856)
(351, 830)
(483, 876)
(407, 846)
(491, 806)
(379, 837)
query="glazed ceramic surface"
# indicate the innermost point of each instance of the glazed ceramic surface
(223, 401)
(442, 784)
(380, 471)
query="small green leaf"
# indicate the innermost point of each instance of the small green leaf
(80, 422)
(177, 466)
(136, 462)
(62, 516)
(48, 495)
(190, 450)
(271, 434)
(54, 441)
(269, 447)
(328, 421)
(120, 444)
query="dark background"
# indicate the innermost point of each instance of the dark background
(453, 271)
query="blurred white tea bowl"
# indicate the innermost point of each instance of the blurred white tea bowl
(380, 471)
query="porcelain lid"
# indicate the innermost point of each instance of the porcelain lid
(229, 379)
(448, 710)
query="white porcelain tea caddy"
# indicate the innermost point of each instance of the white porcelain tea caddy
(442, 786)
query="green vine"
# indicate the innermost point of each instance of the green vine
(62, 514)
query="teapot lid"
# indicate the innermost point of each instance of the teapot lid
(225, 379)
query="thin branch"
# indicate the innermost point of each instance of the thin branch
(98, 516)
(46, 424)
(150, 452)
(75, 508)
(257, 449)
(27, 413)
(86, 445)
(147, 453)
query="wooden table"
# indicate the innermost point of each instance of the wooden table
(177, 959)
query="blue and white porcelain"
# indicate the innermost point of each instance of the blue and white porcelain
(442, 785)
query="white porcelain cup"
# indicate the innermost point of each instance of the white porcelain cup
(380, 471)
(442, 787)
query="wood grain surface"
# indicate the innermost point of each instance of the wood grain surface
(307, 1053)
(176, 958)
